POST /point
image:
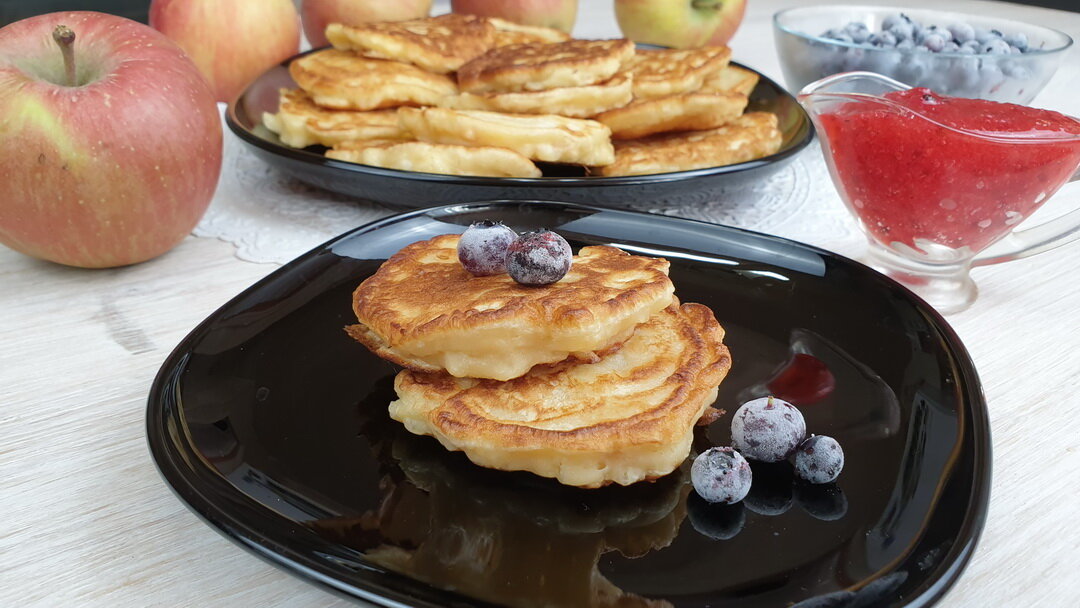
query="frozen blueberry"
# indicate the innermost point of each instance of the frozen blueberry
(882, 39)
(895, 19)
(1018, 40)
(951, 47)
(771, 493)
(825, 502)
(721, 475)
(982, 35)
(717, 521)
(902, 31)
(819, 459)
(996, 46)
(906, 44)
(767, 429)
(538, 258)
(858, 31)
(961, 32)
(482, 248)
(973, 45)
(934, 43)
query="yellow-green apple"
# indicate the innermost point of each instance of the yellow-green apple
(110, 140)
(317, 14)
(680, 23)
(559, 14)
(232, 41)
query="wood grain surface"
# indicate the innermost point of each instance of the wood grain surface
(87, 520)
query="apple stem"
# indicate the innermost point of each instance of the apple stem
(714, 4)
(66, 39)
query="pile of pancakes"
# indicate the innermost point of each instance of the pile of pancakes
(467, 95)
(596, 379)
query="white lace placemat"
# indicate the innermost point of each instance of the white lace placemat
(272, 218)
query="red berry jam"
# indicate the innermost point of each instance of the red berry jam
(916, 181)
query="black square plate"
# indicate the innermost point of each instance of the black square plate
(271, 424)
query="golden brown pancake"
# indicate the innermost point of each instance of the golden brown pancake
(574, 102)
(535, 67)
(663, 72)
(730, 79)
(625, 418)
(752, 135)
(345, 81)
(508, 32)
(300, 123)
(685, 112)
(485, 161)
(422, 310)
(438, 44)
(545, 137)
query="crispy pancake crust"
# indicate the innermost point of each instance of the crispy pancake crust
(623, 419)
(730, 79)
(422, 310)
(573, 102)
(545, 137)
(686, 112)
(752, 135)
(437, 158)
(535, 67)
(508, 32)
(345, 81)
(663, 72)
(300, 123)
(438, 44)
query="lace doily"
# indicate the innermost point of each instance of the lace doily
(272, 218)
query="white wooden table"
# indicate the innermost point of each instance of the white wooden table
(85, 520)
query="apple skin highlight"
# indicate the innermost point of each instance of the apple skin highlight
(117, 170)
(231, 41)
(680, 23)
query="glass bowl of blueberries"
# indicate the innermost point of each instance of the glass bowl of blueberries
(951, 53)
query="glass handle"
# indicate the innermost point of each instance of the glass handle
(1037, 239)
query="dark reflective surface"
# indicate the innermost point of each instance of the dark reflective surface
(730, 184)
(271, 424)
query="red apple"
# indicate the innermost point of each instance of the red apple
(232, 41)
(559, 14)
(680, 23)
(116, 169)
(317, 14)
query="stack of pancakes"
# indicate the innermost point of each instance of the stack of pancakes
(595, 379)
(468, 95)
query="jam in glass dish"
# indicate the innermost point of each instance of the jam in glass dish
(939, 184)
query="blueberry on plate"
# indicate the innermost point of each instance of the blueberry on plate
(539, 258)
(767, 429)
(721, 475)
(483, 247)
(819, 459)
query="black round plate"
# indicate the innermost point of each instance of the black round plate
(270, 423)
(413, 189)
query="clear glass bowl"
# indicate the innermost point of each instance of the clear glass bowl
(806, 57)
